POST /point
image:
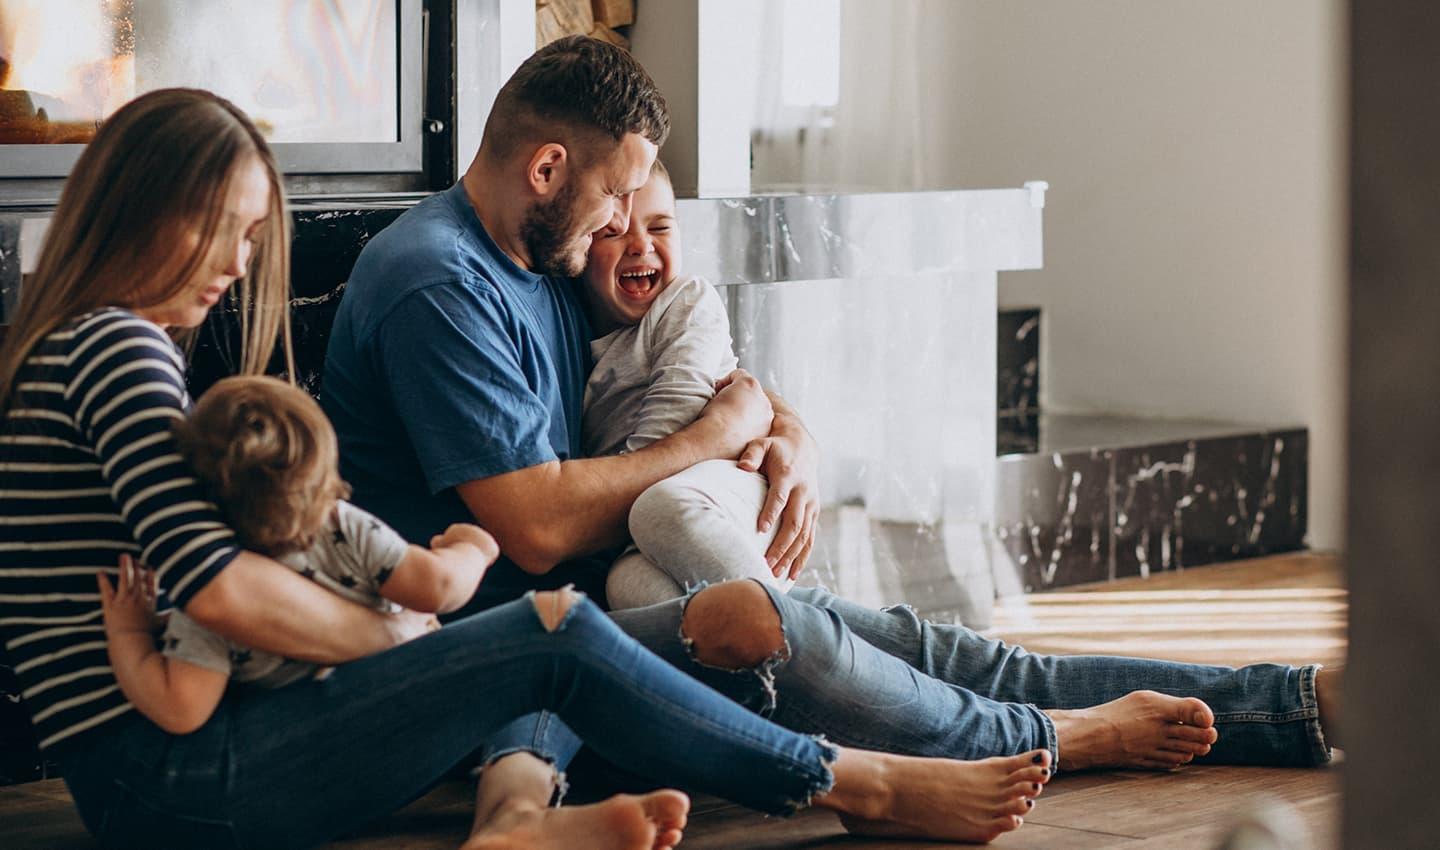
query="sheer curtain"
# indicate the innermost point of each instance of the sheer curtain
(839, 104)
(890, 373)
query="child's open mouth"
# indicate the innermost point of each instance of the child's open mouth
(640, 284)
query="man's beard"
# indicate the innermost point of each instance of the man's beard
(547, 234)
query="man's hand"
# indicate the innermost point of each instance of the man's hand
(130, 606)
(744, 407)
(789, 460)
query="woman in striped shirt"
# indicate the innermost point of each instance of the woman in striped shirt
(175, 201)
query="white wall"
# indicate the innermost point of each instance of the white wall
(1194, 240)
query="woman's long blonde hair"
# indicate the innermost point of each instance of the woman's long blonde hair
(162, 164)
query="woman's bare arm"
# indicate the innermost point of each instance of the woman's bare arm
(264, 604)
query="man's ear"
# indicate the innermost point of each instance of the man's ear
(548, 169)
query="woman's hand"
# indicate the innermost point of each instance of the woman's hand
(130, 607)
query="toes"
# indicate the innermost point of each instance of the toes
(1195, 713)
(1030, 774)
(667, 809)
(1000, 825)
(1193, 749)
(1193, 734)
(1032, 761)
(1018, 806)
(1024, 789)
(1037, 758)
(1174, 757)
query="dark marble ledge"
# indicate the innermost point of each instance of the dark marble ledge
(1071, 432)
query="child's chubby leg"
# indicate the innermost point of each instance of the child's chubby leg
(700, 526)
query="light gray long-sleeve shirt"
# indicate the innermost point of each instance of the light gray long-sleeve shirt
(653, 378)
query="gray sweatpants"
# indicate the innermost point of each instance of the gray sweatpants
(695, 526)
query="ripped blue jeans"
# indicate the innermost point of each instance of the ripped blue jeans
(295, 766)
(888, 680)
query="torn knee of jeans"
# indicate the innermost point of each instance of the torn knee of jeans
(763, 668)
(555, 607)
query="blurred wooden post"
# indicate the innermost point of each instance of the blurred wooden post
(703, 54)
(1391, 744)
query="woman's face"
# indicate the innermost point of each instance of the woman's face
(246, 206)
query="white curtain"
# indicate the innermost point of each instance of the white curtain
(869, 137)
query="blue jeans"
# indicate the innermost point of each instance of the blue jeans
(888, 680)
(296, 766)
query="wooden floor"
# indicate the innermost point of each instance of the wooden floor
(1288, 609)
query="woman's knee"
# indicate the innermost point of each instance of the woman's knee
(552, 606)
(733, 625)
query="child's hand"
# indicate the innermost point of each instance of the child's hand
(409, 625)
(746, 410)
(464, 532)
(131, 606)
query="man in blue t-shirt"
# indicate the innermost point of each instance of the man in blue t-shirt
(457, 363)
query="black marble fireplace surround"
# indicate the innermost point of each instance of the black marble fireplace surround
(1079, 498)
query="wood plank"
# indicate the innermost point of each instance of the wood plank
(614, 13)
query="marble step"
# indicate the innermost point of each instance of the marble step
(1097, 498)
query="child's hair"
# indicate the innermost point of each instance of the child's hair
(270, 459)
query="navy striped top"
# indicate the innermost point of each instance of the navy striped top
(89, 470)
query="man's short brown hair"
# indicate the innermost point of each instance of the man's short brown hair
(269, 458)
(576, 91)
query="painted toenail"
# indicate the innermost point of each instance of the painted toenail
(1044, 771)
(1038, 758)
(1037, 785)
(1029, 804)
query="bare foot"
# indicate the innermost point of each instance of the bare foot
(1329, 692)
(651, 821)
(1141, 729)
(973, 801)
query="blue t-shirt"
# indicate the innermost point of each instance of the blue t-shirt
(448, 363)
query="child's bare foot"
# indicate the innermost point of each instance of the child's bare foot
(973, 801)
(1141, 729)
(653, 821)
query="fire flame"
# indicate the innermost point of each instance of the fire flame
(67, 56)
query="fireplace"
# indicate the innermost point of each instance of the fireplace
(338, 86)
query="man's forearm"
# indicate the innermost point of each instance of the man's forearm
(263, 604)
(549, 514)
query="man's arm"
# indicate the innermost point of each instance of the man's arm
(545, 514)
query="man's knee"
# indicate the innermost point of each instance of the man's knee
(553, 605)
(733, 625)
